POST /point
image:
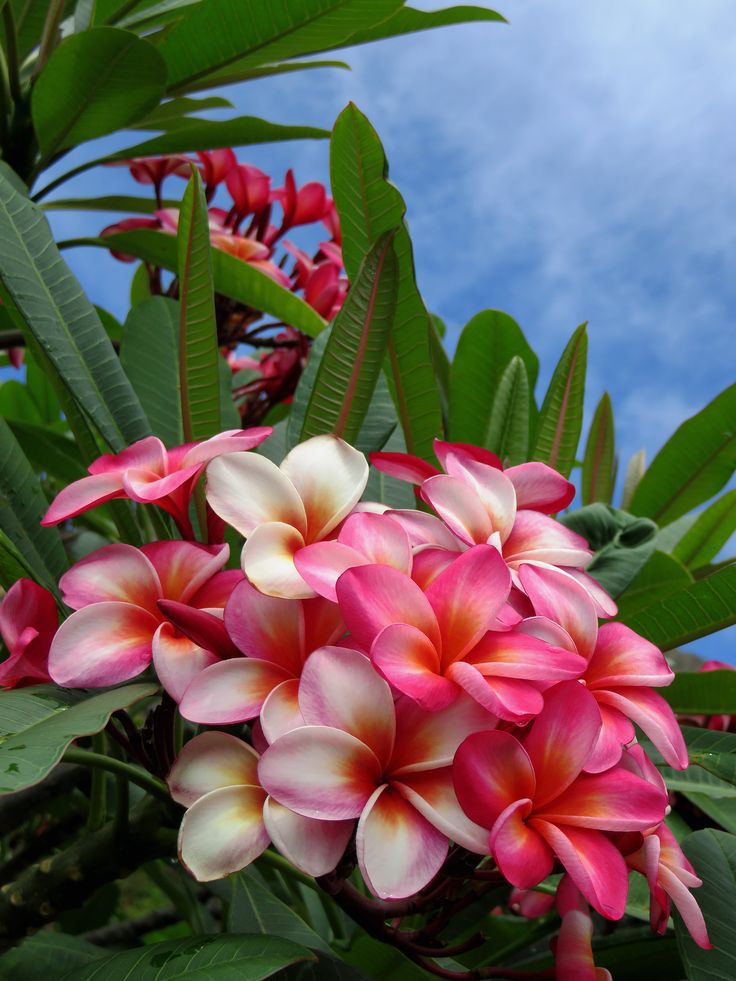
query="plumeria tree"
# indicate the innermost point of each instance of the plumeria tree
(327, 657)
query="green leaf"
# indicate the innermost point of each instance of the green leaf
(721, 810)
(352, 359)
(397, 494)
(199, 372)
(217, 33)
(49, 452)
(48, 305)
(693, 465)
(508, 426)
(440, 363)
(95, 83)
(208, 957)
(150, 14)
(713, 751)
(634, 472)
(47, 955)
(234, 73)
(703, 693)
(621, 542)
(149, 354)
(16, 402)
(37, 725)
(661, 575)
(712, 529)
(126, 203)
(255, 909)
(229, 415)
(713, 855)
(369, 206)
(408, 21)
(175, 110)
(232, 277)
(598, 462)
(22, 506)
(561, 415)
(702, 608)
(487, 344)
(13, 564)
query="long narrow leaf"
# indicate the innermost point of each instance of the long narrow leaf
(598, 462)
(713, 527)
(508, 426)
(369, 206)
(45, 300)
(693, 465)
(352, 360)
(199, 373)
(408, 20)
(561, 415)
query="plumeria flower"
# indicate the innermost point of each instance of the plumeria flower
(120, 594)
(539, 804)
(230, 820)
(214, 167)
(28, 621)
(300, 206)
(530, 903)
(360, 756)
(279, 510)
(434, 644)
(148, 473)
(622, 668)
(249, 188)
(573, 949)
(276, 636)
(154, 170)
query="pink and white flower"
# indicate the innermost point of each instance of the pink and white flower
(28, 621)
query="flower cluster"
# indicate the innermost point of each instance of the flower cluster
(250, 219)
(417, 684)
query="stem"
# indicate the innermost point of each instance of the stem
(98, 791)
(156, 788)
(11, 50)
(50, 36)
(278, 862)
(121, 12)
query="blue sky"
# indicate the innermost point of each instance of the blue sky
(576, 164)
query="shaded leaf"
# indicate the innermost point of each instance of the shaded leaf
(508, 427)
(175, 110)
(47, 955)
(49, 452)
(713, 855)
(353, 355)
(703, 693)
(127, 203)
(95, 82)
(693, 465)
(234, 73)
(722, 810)
(408, 20)
(598, 461)
(369, 206)
(632, 478)
(255, 909)
(561, 415)
(709, 533)
(661, 575)
(37, 725)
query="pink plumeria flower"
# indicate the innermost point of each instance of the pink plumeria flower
(148, 473)
(530, 903)
(622, 668)
(279, 510)
(301, 206)
(120, 595)
(230, 820)
(434, 644)
(28, 621)
(154, 170)
(539, 804)
(127, 225)
(215, 165)
(573, 948)
(249, 188)
(277, 636)
(360, 756)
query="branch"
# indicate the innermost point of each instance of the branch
(16, 808)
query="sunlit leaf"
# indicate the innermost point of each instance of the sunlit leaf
(598, 463)
(561, 415)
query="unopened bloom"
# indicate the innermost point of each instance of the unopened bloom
(28, 621)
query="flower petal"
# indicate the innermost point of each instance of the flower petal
(574, 951)
(280, 712)
(493, 488)
(513, 654)
(82, 495)
(408, 660)
(246, 490)
(425, 529)
(379, 538)
(522, 855)
(266, 627)
(403, 466)
(321, 565)
(374, 596)
(561, 738)
(654, 716)
(178, 660)
(536, 537)
(615, 733)
(539, 487)
(509, 698)
(616, 800)
(102, 644)
(330, 477)
(232, 441)
(209, 762)
(185, 567)
(340, 688)
(459, 507)
(114, 573)
(146, 454)
(464, 452)
(492, 771)
(313, 846)
(320, 772)
(467, 597)
(687, 907)
(622, 657)
(432, 793)
(230, 691)
(223, 832)
(268, 561)
(399, 851)
(594, 863)
(559, 597)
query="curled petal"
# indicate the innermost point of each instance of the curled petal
(247, 490)
(616, 732)
(574, 952)
(622, 657)
(266, 627)
(280, 712)
(403, 466)
(320, 772)
(687, 907)
(511, 699)
(330, 476)
(313, 846)
(494, 489)
(102, 644)
(409, 661)
(146, 454)
(616, 800)
(459, 507)
(540, 488)
(211, 761)
(604, 604)
(432, 793)
(185, 567)
(540, 539)
(268, 561)
(230, 691)
(223, 832)
(178, 660)
(82, 495)
(321, 565)
(115, 573)
(559, 597)
(380, 538)
(491, 772)
(464, 452)
(520, 852)
(215, 593)
(428, 563)
(399, 851)
(232, 441)
(651, 713)
(425, 529)
(513, 654)
(340, 688)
